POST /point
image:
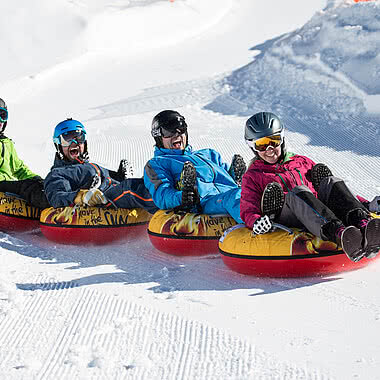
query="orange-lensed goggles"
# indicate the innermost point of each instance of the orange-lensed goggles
(262, 144)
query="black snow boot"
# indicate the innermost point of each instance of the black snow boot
(187, 183)
(272, 200)
(238, 168)
(318, 173)
(348, 238)
(357, 217)
(371, 236)
(125, 169)
(351, 243)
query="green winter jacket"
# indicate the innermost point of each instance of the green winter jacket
(11, 166)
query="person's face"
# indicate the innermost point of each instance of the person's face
(73, 151)
(178, 141)
(271, 155)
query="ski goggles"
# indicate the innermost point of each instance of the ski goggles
(3, 115)
(77, 137)
(173, 132)
(262, 144)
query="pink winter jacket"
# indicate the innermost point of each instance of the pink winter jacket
(293, 171)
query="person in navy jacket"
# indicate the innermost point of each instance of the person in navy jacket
(215, 192)
(74, 180)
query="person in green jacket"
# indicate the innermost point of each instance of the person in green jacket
(15, 176)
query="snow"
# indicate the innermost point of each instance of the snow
(126, 310)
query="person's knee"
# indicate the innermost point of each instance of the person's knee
(296, 193)
(326, 186)
(299, 189)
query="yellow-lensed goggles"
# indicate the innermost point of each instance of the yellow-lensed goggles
(262, 144)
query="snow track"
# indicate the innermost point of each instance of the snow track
(127, 311)
(92, 331)
(358, 134)
(169, 96)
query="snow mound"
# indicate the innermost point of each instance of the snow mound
(41, 34)
(331, 63)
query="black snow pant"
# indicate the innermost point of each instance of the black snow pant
(32, 190)
(131, 193)
(334, 207)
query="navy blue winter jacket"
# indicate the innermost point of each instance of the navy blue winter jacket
(162, 173)
(66, 178)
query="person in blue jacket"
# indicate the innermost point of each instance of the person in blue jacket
(74, 180)
(215, 189)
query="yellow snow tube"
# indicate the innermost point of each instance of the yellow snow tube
(83, 225)
(187, 234)
(16, 214)
(280, 253)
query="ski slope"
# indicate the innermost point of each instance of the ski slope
(126, 311)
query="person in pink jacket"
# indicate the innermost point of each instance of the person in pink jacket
(293, 190)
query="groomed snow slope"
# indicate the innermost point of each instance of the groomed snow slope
(126, 311)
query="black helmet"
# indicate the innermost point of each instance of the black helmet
(4, 106)
(169, 120)
(263, 124)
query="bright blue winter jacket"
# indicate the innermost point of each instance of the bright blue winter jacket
(162, 173)
(66, 178)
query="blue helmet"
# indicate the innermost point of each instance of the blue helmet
(67, 126)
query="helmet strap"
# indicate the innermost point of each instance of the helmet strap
(159, 142)
(4, 126)
(59, 152)
(85, 156)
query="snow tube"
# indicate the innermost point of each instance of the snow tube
(187, 234)
(16, 215)
(280, 253)
(92, 225)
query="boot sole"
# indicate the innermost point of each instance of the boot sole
(372, 238)
(319, 172)
(272, 200)
(351, 241)
(127, 170)
(239, 168)
(189, 176)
